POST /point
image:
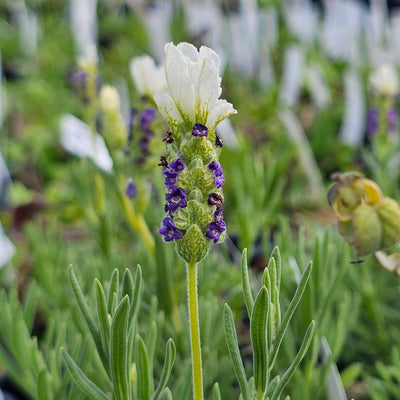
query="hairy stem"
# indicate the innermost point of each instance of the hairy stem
(194, 331)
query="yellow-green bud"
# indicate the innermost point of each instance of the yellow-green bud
(367, 230)
(193, 247)
(389, 214)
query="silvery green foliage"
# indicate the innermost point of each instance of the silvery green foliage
(192, 109)
(126, 360)
(267, 330)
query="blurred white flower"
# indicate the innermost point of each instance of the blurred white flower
(148, 78)
(7, 249)
(194, 87)
(385, 80)
(109, 98)
(77, 138)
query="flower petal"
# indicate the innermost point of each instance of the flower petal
(220, 110)
(147, 76)
(168, 109)
(209, 89)
(180, 80)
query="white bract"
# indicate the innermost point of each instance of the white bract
(193, 87)
(385, 80)
(148, 78)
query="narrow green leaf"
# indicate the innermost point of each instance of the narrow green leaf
(127, 284)
(119, 351)
(151, 341)
(272, 274)
(113, 303)
(84, 383)
(136, 296)
(258, 333)
(276, 255)
(248, 296)
(114, 286)
(30, 305)
(299, 356)
(271, 387)
(169, 360)
(103, 317)
(233, 348)
(216, 394)
(266, 280)
(166, 395)
(43, 386)
(84, 309)
(145, 377)
(289, 314)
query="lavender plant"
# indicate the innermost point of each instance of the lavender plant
(125, 358)
(267, 329)
(193, 175)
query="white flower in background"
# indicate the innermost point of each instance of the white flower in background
(7, 249)
(109, 98)
(194, 87)
(148, 78)
(77, 138)
(385, 80)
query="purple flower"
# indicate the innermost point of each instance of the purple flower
(132, 114)
(215, 167)
(131, 189)
(170, 178)
(199, 130)
(392, 120)
(372, 121)
(177, 165)
(169, 230)
(147, 117)
(218, 141)
(215, 199)
(176, 199)
(219, 181)
(218, 215)
(215, 229)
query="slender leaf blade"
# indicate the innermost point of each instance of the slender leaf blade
(292, 368)
(248, 296)
(119, 351)
(84, 383)
(258, 333)
(289, 314)
(233, 348)
(169, 360)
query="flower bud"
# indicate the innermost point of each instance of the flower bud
(389, 214)
(367, 230)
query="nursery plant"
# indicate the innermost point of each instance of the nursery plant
(153, 248)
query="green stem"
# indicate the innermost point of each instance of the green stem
(194, 331)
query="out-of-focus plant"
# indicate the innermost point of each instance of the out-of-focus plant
(383, 158)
